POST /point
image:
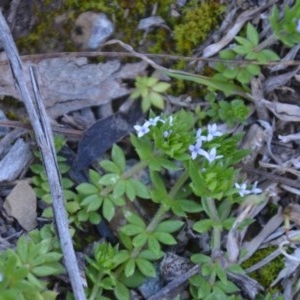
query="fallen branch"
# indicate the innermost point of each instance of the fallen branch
(43, 133)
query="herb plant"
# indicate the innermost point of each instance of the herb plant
(22, 271)
(150, 90)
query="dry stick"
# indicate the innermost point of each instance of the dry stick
(42, 130)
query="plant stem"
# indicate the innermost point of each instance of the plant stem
(160, 214)
(162, 210)
(213, 213)
(95, 289)
(266, 43)
(136, 168)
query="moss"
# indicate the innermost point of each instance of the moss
(197, 22)
(267, 274)
(198, 19)
(47, 35)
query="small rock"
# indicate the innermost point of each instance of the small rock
(172, 266)
(91, 30)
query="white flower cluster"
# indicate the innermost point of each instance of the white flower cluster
(242, 189)
(141, 130)
(197, 150)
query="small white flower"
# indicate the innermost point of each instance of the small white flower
(298, 26)
(242, 189)
(255, 189)
(212, 132)
(199, 135)
(211, 155)
(142, 130)
(153, 121)
(195, 149)
(167, 133)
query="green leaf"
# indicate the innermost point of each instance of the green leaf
(135, 219)
(165, 238)
(37, 169)
(94, 205)
(190, 206)
(146, 104)
(94, 198)
(47, 270)
(253, 69)
(235, 268)
(151, 81)
(94, 177)
(22, 248)
(244, 42)
(252, 34)
(67, 183)
(108, 209)
(108, 283)
(154, 245)
(109, 179)
(118, 157)
(129, 267)
(241, 50)
(270, 55)
(119, 188)
(204, 288)
(156, 99)
(161, 87)
(229, 287)
(130, 192)
(227, 54)
(140, 189)
(169, 226)
(140, 240)
(200, 259)
(203, 225)
(121, 257)
(226, 87)
(94, 218)
(135, 94)
(72, 207)
(121, 291)
(221, 273)
(48, 213)
(131, 229)
(145, 267)
(109, 166)
(45, 246)
(87, 189)
(149, 255)
(83, 216)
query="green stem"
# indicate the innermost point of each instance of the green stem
(96, 288)
(266, 43)
(214, 215)
(172, 194)
(160, 214)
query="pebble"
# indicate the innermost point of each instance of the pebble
(91, 30)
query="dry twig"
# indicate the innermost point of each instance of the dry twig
(41, 126)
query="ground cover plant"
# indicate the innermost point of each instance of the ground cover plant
(174, 208)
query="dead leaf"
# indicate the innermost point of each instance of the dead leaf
(21, 204)
(103, 134)
(14, 162)
(283, 111)
(69, 83)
